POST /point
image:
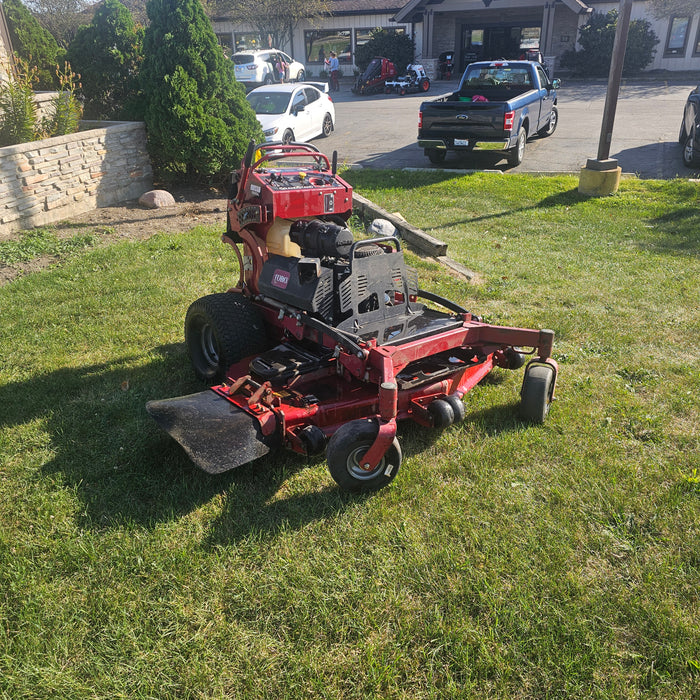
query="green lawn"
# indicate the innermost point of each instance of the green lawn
(505, 560)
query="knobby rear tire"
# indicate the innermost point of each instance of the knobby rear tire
(220, 330)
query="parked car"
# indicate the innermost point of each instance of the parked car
(499, 104)
(293, 112)
(261, 67)
(689, 136)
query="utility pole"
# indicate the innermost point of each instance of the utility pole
(602, 174)
(618, 59)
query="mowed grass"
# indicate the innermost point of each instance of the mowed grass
(506, 560)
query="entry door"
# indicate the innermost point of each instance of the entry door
(501, 42)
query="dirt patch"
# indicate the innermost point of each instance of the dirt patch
(130, 221)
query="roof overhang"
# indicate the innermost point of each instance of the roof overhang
(577, 6)
(580, 8)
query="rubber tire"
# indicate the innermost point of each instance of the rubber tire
(348, 444)
(288, 136)
(551, 124)
(327, 124)
(301, 76)
(436, 155)
(535, 396)
(221, 329)
(691, 157)
(515, 154)
(442, 414)
(267, 80)
(458, 408)
(425, 85)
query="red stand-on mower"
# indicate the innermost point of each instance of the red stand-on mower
(325, 342)
(374, 77)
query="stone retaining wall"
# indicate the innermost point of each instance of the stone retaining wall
(54, 179)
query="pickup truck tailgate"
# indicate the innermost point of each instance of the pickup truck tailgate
(478, 118)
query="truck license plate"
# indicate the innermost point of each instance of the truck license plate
(461, 142)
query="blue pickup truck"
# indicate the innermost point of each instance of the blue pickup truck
(499, 104)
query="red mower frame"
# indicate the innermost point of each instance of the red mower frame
(307, 362)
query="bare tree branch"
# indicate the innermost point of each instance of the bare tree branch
(276, 19)
(668, 8)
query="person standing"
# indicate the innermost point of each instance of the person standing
(334, 68)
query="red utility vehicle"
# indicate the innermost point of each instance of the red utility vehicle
(326, 342)
(374, 77)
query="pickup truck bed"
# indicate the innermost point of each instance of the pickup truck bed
(500, 103)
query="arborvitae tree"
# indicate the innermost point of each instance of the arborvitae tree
(34, 44)
(197, 118)
(107, 56)
(597, 38)
(398, 48)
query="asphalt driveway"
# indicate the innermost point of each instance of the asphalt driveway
(380, 131)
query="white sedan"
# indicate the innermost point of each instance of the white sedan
(293, 112)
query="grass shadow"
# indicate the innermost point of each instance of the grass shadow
(569, 198)
(680, 231)
(103, 445)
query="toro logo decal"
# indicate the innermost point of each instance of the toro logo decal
(280, 279)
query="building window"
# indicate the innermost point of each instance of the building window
(362, 36)
(249, 41)
(319, 43)
(677, 38)
(226, 42)
(530, 38)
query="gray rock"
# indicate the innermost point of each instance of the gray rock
(156, 199)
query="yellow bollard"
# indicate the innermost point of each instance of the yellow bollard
(599, 178)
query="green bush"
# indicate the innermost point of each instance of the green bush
(18, 114)
(398, 48)
(597, 38)
(66, 110)
(107, 55)
(197, 118)
(33, 43)
(19, 121)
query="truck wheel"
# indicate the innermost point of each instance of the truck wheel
(551, 123)
(436, 155)
(221, 329)
(536, 393)
(515, 154)
(691, 157)
(345, 451)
